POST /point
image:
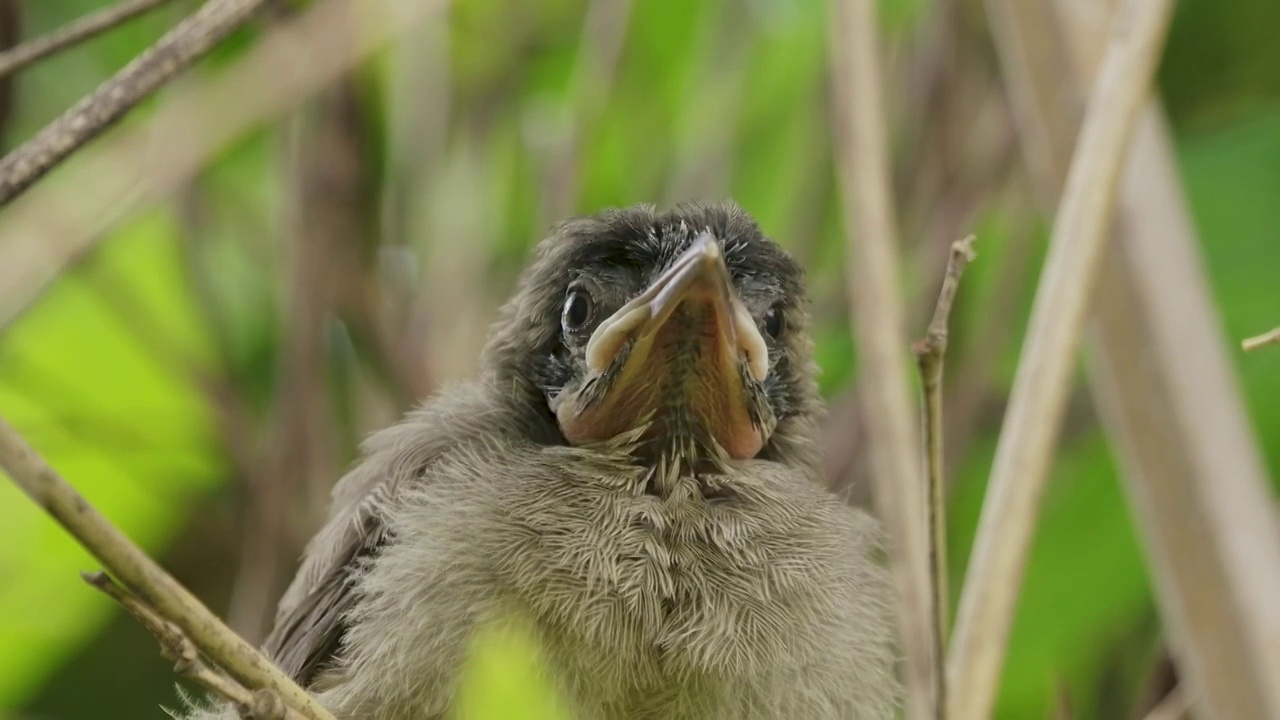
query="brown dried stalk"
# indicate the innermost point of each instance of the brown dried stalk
(1161, 377)
(73, 33)
(876, 308)
(931, 352)
(59, 221)
(177, 648)
(187, 42)
(144, 578)
(1042, 385)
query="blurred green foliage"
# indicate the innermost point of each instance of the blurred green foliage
(738, 85)
(503, 677)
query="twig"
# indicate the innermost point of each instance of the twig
(142, 576)
(1041, 387)
(876, 308)
(188, 41)
(931, 352)
(177, 648)
(73, 33)
(1271, 337)
(61, 220)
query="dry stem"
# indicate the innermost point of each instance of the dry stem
(1271, 337)
(177, 648)
(1042, 384)
(1160, 376)
(172, 53)
(876, 308)
(73, 33)
(144, 578)
(60, 221)
(931, 352)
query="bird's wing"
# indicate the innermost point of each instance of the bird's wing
(311, 619)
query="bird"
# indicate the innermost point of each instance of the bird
(636, 470)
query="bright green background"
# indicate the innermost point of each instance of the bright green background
(92, 393)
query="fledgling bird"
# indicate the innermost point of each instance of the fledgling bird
(636, 471)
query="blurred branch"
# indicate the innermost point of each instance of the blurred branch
(177, 648)
(329, 216)
(1271, 337)
(931, 352)
(142, 576)
(1041, 387)
(1175, 706)
(702, 156)
(876, 309)
(1161, 377)
(420, 105)
(10, 35)
(173, 53)
(604, 31)
(73, 33)
(61, 220)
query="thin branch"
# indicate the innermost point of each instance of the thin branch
(1041, 387)
(1271, 337)
(876, 309)
(931, 352)
(73, 33)
(61, 220)
(187, 42)
(178, 649)
(142, 576)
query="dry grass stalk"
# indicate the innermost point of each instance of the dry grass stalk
(876, 308)
(1162, 378)
(73, 33)
(1040, 391)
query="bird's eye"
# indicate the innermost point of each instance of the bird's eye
(578, 309)
(773, 322)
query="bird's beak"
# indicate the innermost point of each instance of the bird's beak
(687, 349)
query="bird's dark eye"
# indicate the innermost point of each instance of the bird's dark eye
(578, 309)
(773, 322)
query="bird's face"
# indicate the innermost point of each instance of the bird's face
(679, 332)
(673, 353)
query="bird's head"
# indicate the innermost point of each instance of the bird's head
(681, 332)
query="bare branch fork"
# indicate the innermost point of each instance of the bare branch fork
(930, 352)
(73, 33)
(177, 648)
(188, 41)
(159, 601)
